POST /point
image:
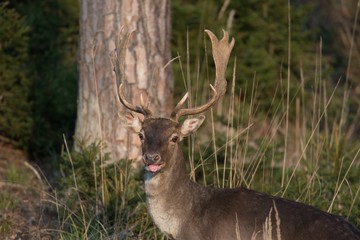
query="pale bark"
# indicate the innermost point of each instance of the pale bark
(147, 54)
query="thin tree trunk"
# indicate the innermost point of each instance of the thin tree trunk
(148, 52)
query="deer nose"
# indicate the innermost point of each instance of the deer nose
(151, 158)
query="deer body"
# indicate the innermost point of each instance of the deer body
(188, 211)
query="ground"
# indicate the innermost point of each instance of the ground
(26, 203)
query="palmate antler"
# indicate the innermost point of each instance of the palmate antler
(221, 50)
(221, 53)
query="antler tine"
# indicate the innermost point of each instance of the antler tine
(118, 60)
(178, 111)
(179, 105)
(221, 50)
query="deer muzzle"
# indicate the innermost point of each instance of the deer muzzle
(152, 162)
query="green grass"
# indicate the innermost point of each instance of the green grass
(8, 202)
(6, 226)
(16, 175)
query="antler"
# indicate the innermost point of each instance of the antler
(118, 60)
(221, 52)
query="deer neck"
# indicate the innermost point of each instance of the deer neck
(170, 195)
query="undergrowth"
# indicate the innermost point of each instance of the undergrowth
(101, 202)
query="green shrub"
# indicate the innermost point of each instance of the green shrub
(98, 201)
(52, 44)
(15, 109)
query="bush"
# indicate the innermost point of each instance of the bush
(15, 110)
(99, 201)
(52, 40)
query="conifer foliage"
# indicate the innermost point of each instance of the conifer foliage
(15, 109)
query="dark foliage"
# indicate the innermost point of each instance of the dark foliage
(15, 109)
(52, 48)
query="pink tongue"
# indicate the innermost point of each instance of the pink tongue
(153, 168)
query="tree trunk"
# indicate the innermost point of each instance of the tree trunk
(147, 54)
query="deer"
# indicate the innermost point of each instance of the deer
(186, 210)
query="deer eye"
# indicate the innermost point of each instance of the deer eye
(141, 136)
(175, 138)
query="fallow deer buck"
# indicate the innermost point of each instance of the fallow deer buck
(185, 210)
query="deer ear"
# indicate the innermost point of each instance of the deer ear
(190, 125)
(131, 122)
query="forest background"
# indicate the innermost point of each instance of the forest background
(39, 79)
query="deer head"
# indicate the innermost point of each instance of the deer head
(159, 136)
